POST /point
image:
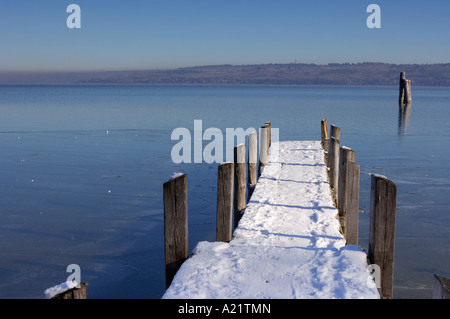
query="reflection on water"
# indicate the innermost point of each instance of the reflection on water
(403, 118)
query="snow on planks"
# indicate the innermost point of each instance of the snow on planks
(287, 245)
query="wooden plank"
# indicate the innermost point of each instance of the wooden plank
(225, 184)
(345, 155)
(239, 182)
(441, 287)
(352, 207)
(383, 199)
(175, 225)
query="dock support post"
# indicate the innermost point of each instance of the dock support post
(352, 223)
(263, 148)
(268, 125)
(383, 199)
(441, 287)
(325, 141)
(252, 163)
(239, 182)
(323, 132)
(335, 132)
(225, 184)
(346, 155)
(175, 225)
(333, 161)
(326, 148)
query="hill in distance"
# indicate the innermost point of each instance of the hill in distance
(364, 74)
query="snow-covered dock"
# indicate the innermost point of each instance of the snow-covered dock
(288, 243)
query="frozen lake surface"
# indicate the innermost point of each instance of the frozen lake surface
(82, 169)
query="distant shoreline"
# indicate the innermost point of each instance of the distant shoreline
(292, 74)
(210, 85)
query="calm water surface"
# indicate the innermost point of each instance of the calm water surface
(82, 169)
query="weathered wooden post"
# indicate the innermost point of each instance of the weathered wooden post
(263, 149)
(333, 162)
(268, 125)
(408, 98)
(352, 221)
(325, 141)
(405, 90)
(175, 224)
(74, 293)
(441, 287)
(326, 148)
(225, 184)
(336, 133)
(323, 132)
(383, 199)
(252, 163)
(239, 182)
(401, 96)
(346, 155)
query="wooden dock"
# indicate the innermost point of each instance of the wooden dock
(290, 241)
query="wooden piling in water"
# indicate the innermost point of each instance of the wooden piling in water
(405, 90)
(441, 287)
(346, 155)
(408, 98)
(239, 182)
(352, 206)
(225, 187)
(175, 225)
(252, 163)
(383, 199)
(401, 94)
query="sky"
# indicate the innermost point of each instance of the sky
(162, 34)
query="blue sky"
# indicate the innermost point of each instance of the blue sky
(155, 34)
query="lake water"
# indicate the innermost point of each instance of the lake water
(82, 169)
